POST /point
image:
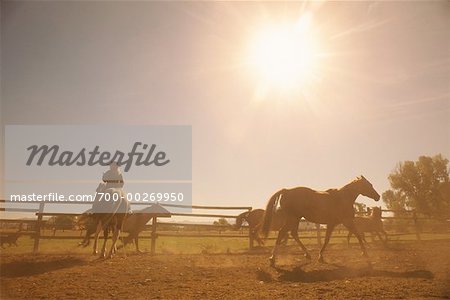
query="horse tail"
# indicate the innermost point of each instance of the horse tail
(240, 219)
(270, 208)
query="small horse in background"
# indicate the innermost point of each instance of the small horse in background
(331, 207)
(254, 219)
(10, 238)
(134, 224)
(372, 223)
(109, 214)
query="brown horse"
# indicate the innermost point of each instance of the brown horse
(134, 224)
(332, 207)
(10, 239)
(371, 224)
(109, 215)
(255, 218)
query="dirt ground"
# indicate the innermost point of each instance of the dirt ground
(404, 270)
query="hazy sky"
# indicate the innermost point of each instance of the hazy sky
(379, 95)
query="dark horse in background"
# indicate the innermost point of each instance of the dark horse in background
(254, 219)
(331, 207)
(372, 223)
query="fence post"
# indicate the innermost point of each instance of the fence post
(153, 235)
(250, 237)
(38, 228)
(416, 225)
(319, 239)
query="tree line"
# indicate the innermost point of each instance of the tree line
(422, 185)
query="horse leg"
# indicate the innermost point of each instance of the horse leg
(87, 239)
(349, 235)
(115, 236)
(119, 226)
(351, 227)
(257, 237)
(294, 234)
(136, 243)
(379, 237)
(124, 250)
(115, 243)
(285, 239)
(125, 240)
(330, 228)
(105, 238)
(383, 241)
(135, 239)
(283, 231)
(97, 233)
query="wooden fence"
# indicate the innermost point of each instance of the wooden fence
(40, 213)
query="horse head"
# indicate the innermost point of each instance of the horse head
(376, 212)
(240, 219)
(365, 188)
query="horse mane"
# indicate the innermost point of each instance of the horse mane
(349, 185)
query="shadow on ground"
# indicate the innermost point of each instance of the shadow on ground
(341, 272)
(35, 267)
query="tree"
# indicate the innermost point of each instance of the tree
(222, 221)
(360, 207)
(64, 222)
(418, 185)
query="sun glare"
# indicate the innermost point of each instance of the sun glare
(284, 55)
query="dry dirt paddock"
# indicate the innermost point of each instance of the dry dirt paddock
(405, 270)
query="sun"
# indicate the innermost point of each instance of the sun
(285, 55)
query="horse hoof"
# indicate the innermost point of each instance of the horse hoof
(94, 252)
(320, 260)
(307, 256)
